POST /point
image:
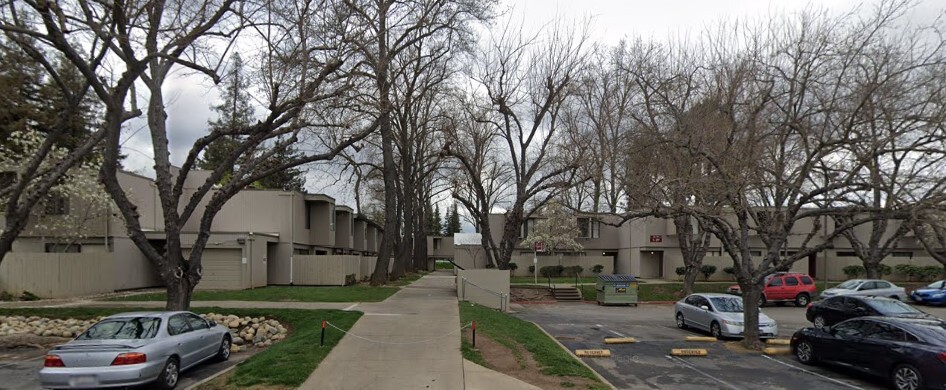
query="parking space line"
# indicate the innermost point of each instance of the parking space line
(350, 307)
(811, 372)
(617, 333)
(692, 367)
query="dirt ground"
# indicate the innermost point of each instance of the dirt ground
(11, 344)
(520, 294)
(520, 365)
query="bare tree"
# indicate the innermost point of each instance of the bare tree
(383, 30)
(523, 85)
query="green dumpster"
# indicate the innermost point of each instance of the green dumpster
(617, 290)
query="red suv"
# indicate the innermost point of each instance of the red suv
(785, 287)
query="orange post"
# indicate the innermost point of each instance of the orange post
(322, 339)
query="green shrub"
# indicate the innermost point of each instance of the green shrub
(707, 271)
(551, 271)
(597, 269)
(574, 270)
(513, 267)
(351, 279)
(28, 296)
(930, 272)
(729, 270)
(531, 269)
(853, 271)
(909, 271)
(681, 271)
(5, 296)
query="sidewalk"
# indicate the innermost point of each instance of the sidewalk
(409, 341)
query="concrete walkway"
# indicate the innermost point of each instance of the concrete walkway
(409, 341)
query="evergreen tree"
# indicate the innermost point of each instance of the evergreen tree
(233, 112)
(453, 222)
(292, 179)
(434, 223)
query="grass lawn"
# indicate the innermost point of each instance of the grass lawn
(356, 293)
(509, 331)
(286, 363)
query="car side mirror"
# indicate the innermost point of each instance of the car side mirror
(704, 307)
(211, 323)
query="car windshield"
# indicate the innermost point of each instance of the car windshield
(727, 305)
(849, 285)
(891, 307)
(940, 284)
(131, 328)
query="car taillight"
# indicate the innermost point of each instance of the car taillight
(129, 358)
(53, 361)
(942, 357)
(810, 304)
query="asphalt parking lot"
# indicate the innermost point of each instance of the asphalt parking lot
(647, 364)
(19, 369)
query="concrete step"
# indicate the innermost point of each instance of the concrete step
(566, 294)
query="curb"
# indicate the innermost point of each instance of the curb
(601, 378)
(534, 302)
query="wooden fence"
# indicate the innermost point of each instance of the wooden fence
(57, 275)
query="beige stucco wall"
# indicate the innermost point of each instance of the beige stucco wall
(344, 234)
(440, 247)
(484, 286)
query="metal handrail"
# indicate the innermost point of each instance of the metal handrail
(503, 297)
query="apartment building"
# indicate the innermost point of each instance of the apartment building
(256, 239)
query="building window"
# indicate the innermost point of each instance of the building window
(902, 254)
(846, 254)
(308, 215)
(63, 248)
(527, 227)
(589, 228)
(57, 205)
(301, 251)
(755, 253)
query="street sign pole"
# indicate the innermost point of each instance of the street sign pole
(535, 267)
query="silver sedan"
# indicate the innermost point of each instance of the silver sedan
(135, 348)
(867, 288)
(720, 314)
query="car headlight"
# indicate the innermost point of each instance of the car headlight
(735, 323)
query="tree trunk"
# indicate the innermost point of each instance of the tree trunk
(689, 279)
(179, 292)
(872, 266)
(751, 292)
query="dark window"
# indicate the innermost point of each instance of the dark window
(902, 254)
(693, 300)
(791, 281)
(881, 285)
(847, 254)
(806, 281)
(308, 215)
(301, 251)
(868, 286)
(776, 282)
(883, 331)
(195, 322)
(135, 328)
(755, 253)
(7, 179)
(57, 205)
(834, 302)
(177, 325)
(63, 248)
(851, 329)
(589, 228)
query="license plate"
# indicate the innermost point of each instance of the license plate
(83, 380)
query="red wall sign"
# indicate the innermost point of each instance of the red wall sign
(656, 238)
(539, 246)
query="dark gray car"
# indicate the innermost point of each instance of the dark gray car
(135, 348)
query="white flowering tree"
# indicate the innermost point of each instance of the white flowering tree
(557, 230)
(71, 204)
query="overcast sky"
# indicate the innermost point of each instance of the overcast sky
(612, 20)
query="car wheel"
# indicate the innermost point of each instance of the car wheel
(907, 377)
(762, 300)
(680, 322)
(818, 321)
(169, 375)
(802, 300)
(715, 331)
(223, 354)
(894, 297)
(805, 353)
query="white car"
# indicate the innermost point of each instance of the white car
(719, 314)
(867, 288)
